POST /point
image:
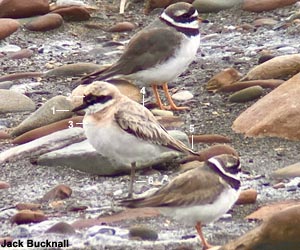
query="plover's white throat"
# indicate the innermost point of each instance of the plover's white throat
(198, 196)
(158, 53)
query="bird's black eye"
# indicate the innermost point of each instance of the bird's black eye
(92, 99)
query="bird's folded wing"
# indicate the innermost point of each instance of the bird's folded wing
(194, 187)
(141, 123)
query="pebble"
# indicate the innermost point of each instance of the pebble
(248, 196)
(183, 95)
(122, 27)
(60, 192)
(142, 232)
(4, 185)
(159, 112)
(19, 9)
(11, 101)
(28, 216)
(279, 185)
(73, 13)
(247, 94)
(61, 228)
(45, 23)
(8, 26)
(46, 114)
(264, 22)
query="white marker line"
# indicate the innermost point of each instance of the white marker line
(79, 123)
(141, 181)
(192, 141)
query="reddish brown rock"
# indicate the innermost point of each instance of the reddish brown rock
(4, 185)
(7, 27)
(268, 210)
(247, 197)
(19, 9)
(122, 27)
(278, 232)
(28, 206)
(224, 78)
(28, 216)
(59, 192)
(73, 13)
(290, 171)
(153, 4)
(48, 129)
(44, 23)
(265, 5)
(262, 119)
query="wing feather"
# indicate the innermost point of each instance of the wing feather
(140, 122)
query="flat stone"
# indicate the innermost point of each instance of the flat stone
(11, 101)
(82, 156)
(55, 109)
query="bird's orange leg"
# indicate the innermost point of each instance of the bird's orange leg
(170, 100)
(156, 94)
(203, 240)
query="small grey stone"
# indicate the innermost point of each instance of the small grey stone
(6, 84)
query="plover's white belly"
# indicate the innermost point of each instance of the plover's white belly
(174, 66)
(204, 213)
(111, 141)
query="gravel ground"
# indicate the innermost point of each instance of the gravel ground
(210, 113)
